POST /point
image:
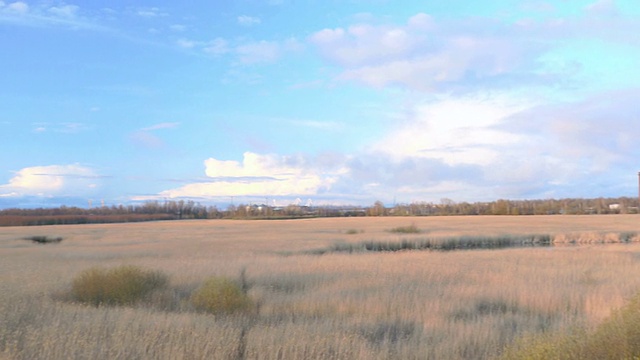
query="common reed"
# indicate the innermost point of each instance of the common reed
(360, 305)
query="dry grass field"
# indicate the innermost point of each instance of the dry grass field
(366, 305)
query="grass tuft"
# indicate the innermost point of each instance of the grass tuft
(219, 295)
(123, 285)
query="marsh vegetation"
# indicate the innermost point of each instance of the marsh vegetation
(412, 304)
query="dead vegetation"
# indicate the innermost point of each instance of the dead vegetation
(358, 305)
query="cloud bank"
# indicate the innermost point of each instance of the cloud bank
(471, 148)
(258, 175)
(52, 180)
(542, 104)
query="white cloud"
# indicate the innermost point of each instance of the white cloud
(46, 14)
(326, 36)
(245, 20)
(159, 126)
(363, 44)
(258, 175)
(187, 44)
(217, 46)
(178, 27)
(454, 130)
(427, 55)
(421, 21)
(64, 10)
(52, 180)
(500, 147)
(258, 52)
(65, 128)
(319, 125)
(151, 12)
(467, 148)
(245, 53)
(18, 7)
(602, 7)
(144, 137)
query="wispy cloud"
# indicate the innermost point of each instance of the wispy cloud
(146, 137)
(45, 14)
(258, 52)
(178, 27)
(468, 54)
(159, 126)
(319, 125)
(150, 12)
(68, 11)
(217, 46)
(428, 55)
(242, 51)
(64, 127)
(246, 20)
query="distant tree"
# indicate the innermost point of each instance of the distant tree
(377, 209)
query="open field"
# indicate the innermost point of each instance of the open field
(365, 305)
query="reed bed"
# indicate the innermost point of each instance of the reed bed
(479, 242)
(362, 305)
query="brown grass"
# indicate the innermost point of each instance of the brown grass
(401, 305)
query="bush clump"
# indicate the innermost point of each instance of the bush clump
(44, 239)
(123, 285)
(410, 229)
(219, 295)
(618, 337)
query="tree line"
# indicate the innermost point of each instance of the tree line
(176, 210)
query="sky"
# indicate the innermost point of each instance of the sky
(342, 102)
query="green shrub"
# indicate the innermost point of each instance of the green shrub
(219, 295)
(44, 239)
(411, 229)
(123, 285)
(618, 337)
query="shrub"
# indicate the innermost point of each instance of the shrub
(618, 337)
(123, 285)
(44, 239)
(411, 229)
(219, 295)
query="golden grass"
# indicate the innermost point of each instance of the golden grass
(401, 305)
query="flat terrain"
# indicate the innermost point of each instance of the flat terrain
(405, 305)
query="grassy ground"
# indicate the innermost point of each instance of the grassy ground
(369, 305)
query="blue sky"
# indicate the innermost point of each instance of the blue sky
(329, 102)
